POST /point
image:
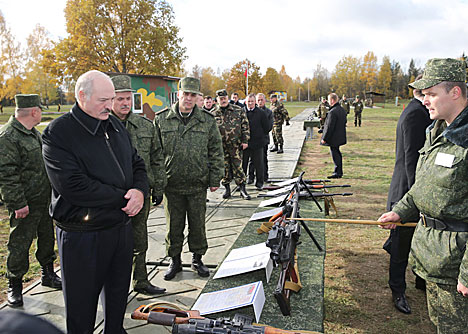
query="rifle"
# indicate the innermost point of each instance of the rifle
(310, 186)
(283, 239)
(280, 191)
(190, 322)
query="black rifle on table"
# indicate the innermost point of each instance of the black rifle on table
(283, 239)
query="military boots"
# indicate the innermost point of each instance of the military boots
(174, 267)
(280, 150)
(199, 267)
(49, 277)
(15, 292)
(274, 148)
(227, 191)
(243, 192)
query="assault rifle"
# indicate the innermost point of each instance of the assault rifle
(190, 322)
(283, 239)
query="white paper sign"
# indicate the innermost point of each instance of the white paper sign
(229, 299)
(444, 159)
(272, 201)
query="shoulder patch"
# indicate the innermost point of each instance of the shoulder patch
(161, 111)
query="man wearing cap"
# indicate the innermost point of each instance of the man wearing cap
(440, 195)
(344, 103)
(98, 183)
(358, 106)
(280, 114)
(25, 189)
(148, 146)
(233, 125)
(322, 111)
(193, 154)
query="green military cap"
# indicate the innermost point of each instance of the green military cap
(221, 92)
(441, 69)
(122, 83)
(273, 95)
(190, 85)
(27, 101)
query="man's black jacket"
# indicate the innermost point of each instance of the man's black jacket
(91, 165)
(334, 129)
(259, 127)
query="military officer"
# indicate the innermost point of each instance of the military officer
(193, 152)
(280, 114)
(344, 103)
(440, 194)
(26, 191)
(322, 111)
(358, 106)
(233, 125)
(148, 146)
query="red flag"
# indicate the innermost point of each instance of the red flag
(245, 73)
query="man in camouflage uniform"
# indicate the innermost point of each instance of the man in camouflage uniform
(344, 103)
(234, 128)
(322, 111)
(193, 154)
(358, 106)
(147, 144)
(440, 193)
(280, 114)
(25, 189)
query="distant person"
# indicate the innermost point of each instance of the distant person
(235, 100)
(322, 111)
(200, 101)
(25, 189)
(439, 197)
(208, 104)
(334, 134)
(344, 103)
(58, 107)
(358, 107)
(259, 127)
(280, 115)
(410, 137)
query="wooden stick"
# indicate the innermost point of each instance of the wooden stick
(353, 221)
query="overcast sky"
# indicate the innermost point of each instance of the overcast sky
(299, 34)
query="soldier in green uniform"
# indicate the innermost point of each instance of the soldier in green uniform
(148, 146)
(440, 193)
(358, 106)
(322, 111)
(280, 114)
(344, 103)
(26, 191)
(193, 155)
(234, 128)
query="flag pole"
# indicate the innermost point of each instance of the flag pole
(247, 77)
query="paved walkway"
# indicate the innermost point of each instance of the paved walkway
(225, 219)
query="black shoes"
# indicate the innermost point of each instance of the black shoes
(274, 148)
(280, 150)
(15, 292)
(49, 277)
(174, 267)
(243, 192)
(320, 131)
(400, 302)
(227, 191)
(150, 290)
(334, 176)
(199, 267)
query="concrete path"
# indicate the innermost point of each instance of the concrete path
(224, 221)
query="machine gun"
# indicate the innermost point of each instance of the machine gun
(190, 322)
(283, 239)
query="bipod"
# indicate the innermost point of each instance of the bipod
(311, 235)
(297, 188)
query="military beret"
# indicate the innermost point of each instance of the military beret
(441, 69)
(273, 95)
(27, 101)
(190, 85)
(221, 92)
(122, 83)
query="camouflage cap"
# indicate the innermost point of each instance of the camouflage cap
(221, 92)
(190, 85)
(441, 69)
(273, 95)
(122, 83)
(27, 101)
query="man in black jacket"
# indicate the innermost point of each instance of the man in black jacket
(98, 183)
(410, 137)
(334, 134)
(259, 127)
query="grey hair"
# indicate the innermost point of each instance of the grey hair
(261, 94)
(85, 83)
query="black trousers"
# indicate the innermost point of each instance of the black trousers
(93, 264)
(398, 246)
(256, 155)
(337, 160)
(265, 165)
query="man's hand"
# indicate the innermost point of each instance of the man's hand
(135, 202)
(389, 217)
(462, 289)
(22, 213)
(244, 146)
(323, 142)
(213, 189)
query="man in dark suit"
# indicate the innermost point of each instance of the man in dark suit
(410, 137)
(334, 134)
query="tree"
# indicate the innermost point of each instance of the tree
(398, 84)
(369, 71)
(237, 82)
(385, 75)
(272, 81)
(413, 71)
(126, 36)
(345, 78)
(323, 81)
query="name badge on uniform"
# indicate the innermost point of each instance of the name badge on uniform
(444, 159)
